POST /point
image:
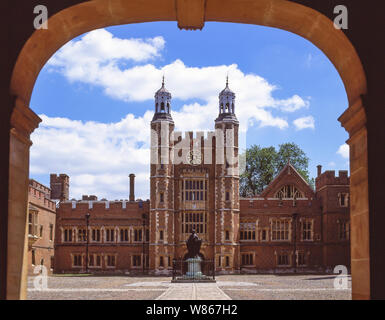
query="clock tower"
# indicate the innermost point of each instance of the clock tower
(194, 186)
(162, 184)
(227, 184)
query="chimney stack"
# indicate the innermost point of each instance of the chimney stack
(319, 170)
(132, 187)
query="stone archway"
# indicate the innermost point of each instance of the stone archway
(283, 14)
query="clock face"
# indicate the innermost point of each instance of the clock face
(194, 157)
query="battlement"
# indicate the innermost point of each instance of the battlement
(329, 178)
(89, 198)
(59, 186)
(40, 197)
(102, 205)
(41, 187)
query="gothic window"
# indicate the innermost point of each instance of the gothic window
(289, 192)
(247, 259)
(67, 235)
(227, 261)
(280, 230)
(111, 261)
(343, 230)
(193, 190)
(307, 229)
(51, 231)
(227, 235)
(194, 221)
(124, 234)
(247, 230)
(343, 199)
(136, 261)
(95, 235)
(301, 258)
(33, 223)
(264, 235)
(283, 259)
(161, 263)
(161, 197)
(161, 235)
(137, 234)
(77, 260)
(110, 235)
(82, 235)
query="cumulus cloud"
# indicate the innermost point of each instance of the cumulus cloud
(99, 156)
(343, 151)
(304, 123)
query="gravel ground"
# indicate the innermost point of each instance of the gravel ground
(237, 287)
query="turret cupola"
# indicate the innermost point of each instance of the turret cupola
(226, 104)
(162, 104)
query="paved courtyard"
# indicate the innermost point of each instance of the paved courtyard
(236, 287)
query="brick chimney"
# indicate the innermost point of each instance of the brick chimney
(132, 187)
(319, 170)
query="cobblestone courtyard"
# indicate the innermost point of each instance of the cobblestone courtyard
(237, 287)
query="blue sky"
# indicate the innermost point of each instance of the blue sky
(95, 97)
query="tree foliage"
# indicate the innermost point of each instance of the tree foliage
(263, 164)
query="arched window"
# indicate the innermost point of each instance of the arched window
(227, 107)
(162, 106)
(232, 107)
(221, 107)
(156, 107)
(289, 192)
(168, 108)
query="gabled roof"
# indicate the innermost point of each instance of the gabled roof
(282, 179)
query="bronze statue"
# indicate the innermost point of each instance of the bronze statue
(193, 245)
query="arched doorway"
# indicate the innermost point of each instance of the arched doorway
(286, 15)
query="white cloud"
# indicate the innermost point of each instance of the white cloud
(88, 61)
(304, 123)
(99, 156)
(343, 151)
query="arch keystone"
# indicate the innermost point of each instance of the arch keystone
(190, 14)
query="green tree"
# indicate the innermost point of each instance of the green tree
(297, 157)
(259, 170)
(263, 164)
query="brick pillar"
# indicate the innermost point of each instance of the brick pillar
(354, 121)
(23, 122)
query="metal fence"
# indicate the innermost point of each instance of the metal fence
(193, 270)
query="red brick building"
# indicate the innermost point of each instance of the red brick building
(41, 227)
(194, 184)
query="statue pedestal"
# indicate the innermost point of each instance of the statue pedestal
(194, 268)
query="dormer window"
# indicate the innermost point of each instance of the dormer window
(289, 192)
